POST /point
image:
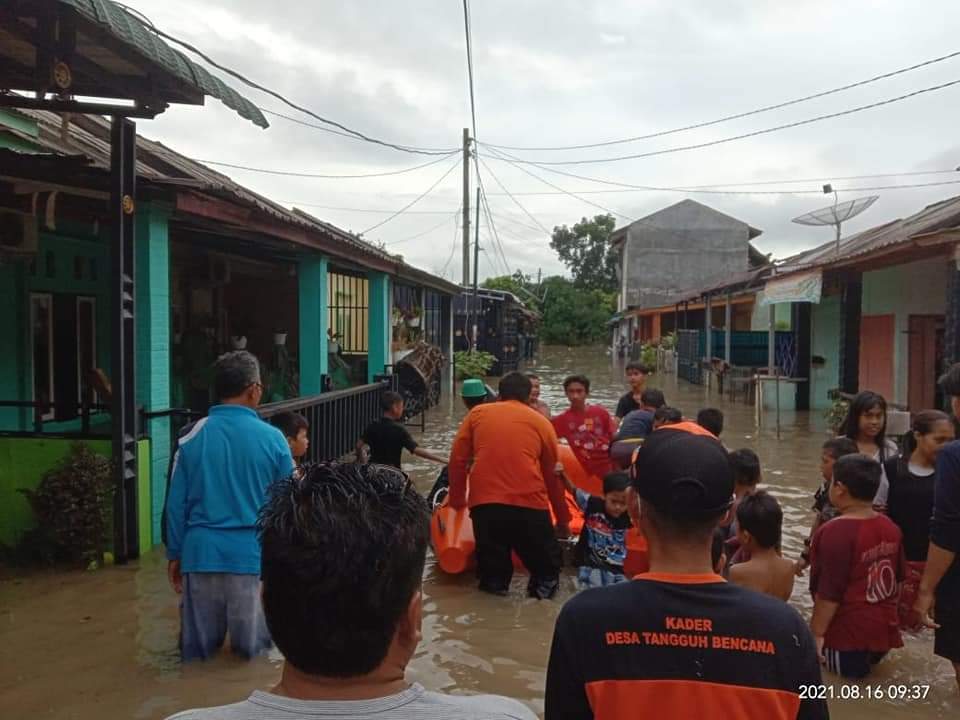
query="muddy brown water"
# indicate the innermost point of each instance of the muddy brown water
(85, 646)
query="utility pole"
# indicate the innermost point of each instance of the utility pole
(466, 208)
(476, 267)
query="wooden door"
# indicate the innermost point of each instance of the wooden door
(924, 360)
(877, 337)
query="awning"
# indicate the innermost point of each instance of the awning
(805, 287)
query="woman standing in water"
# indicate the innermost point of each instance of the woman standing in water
(866, 425)
(910, 501)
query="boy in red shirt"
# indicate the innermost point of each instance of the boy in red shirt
(588, 429)
(856, 567)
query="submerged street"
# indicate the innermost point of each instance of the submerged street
(81, 646)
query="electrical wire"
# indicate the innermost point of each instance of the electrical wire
(515, 201)
(469, 38)
(413, 202)
(742, 136)
(630, 187)
(421, 234)
(381, 211)
(738, 116)
(290, 103)
(288, 173)
(497, 243)
(453, 250)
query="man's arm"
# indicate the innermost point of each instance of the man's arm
(944, 530)
(175, 520)
(460, 456)
(808, 675)
(555, 489)
(823, 612)
(565, 695)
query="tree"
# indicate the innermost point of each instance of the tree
(586, 251)
(573, 315)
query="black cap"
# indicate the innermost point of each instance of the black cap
(684, 474)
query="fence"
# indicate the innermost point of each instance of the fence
(91, 419)
(747, 350)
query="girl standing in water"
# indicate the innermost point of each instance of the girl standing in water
(866, 425)
(910, 501)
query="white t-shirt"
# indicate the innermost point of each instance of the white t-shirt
(414, 703)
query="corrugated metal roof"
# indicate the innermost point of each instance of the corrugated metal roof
(938, 216)
(89, 138)
(134, 33)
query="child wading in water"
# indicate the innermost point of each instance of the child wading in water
(602, 547)
(856, 566)
(866, 425)
(832, 450)
(760, 522)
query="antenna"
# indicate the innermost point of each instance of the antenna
(838, 213)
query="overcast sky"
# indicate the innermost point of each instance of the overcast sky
(565, 72)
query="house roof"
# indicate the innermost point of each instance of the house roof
(620, 233)
(114, 54)
(941, 215)
(88, 144)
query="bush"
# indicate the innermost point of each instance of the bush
(648, 356)
(73, 506)
(473, 364)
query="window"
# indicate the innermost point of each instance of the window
(41, 331)
(348, 302)
(63, 331)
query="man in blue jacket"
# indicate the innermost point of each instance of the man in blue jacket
(221, 471)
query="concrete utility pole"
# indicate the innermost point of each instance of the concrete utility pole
(466, 208)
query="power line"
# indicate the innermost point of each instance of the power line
(288, 173)
(274, 113)
(510, 195)
(413, 202)
(468, 34)
(421, 234)
(492, 226)
(630, 187)
(290, 103)
(743, 136)
(453, 250)
(381, 211)
(738, 116)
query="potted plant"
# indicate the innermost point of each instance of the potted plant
(413, 317)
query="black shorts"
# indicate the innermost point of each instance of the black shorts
(947, 641)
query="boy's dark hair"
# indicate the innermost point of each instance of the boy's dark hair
(761, 516)
(711, 419)
(515, 386)
(949, 382)
(637, 366)
(746, 466)
(582, 379)
(840, 446)
(234, 372)
(716, 546)
(667, 414)
(472, 402)
(615, 482)
(343, 554)
(653, 398)
(859, 474)
(389, 399)
(532, 376)
(290, 423)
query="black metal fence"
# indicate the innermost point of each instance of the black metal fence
(336, 418)
(82, 425)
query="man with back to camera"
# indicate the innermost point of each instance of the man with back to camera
(343, 556)
(680, 641)
(512, 485)
(220, 475)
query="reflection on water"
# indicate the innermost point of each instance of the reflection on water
(103, 645)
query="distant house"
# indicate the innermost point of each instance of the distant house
(664, 255)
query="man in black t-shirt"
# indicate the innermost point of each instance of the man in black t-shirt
(678, 641)
(387, 437)
(637, 377)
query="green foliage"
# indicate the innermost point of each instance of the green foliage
(648, 356)
(836, 414)
(669, 342)
(73, 506)
(573, 315)
(586, 251)
(473, 364)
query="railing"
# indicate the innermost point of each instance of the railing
(337, 418)
(60, 426)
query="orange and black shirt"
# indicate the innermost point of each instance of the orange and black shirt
(680, 646)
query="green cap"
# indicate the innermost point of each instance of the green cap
(473, 388)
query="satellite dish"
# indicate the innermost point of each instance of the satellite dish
(837, 213)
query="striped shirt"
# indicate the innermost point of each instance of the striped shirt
(414, 703)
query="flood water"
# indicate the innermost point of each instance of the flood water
(85, 646)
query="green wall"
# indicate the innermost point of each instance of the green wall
(312, 281)
(918, 288)
(23, 461)
(825, 329)
(381, 306)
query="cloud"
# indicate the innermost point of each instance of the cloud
(563, 72)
